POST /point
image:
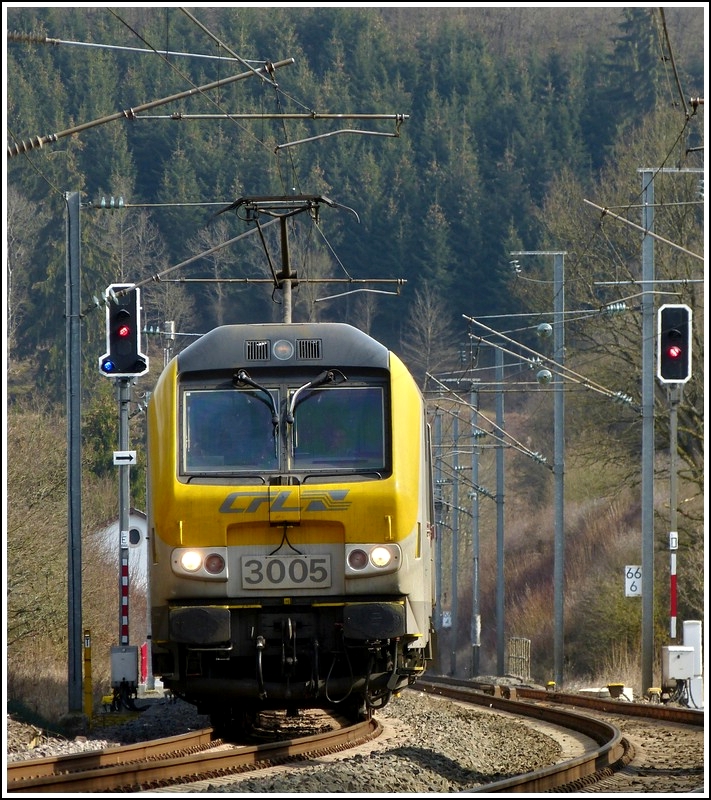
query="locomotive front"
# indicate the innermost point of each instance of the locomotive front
(290, 522)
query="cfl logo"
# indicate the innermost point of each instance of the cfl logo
(316, 501)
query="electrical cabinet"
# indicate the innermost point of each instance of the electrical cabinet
(677, 664)
(124, 665)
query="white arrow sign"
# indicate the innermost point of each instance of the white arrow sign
(122, 457)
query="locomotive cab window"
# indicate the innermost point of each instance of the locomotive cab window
(340, 428)
(227, 430)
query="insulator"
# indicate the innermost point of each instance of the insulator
(621, 397)
(103, 202)
(615, 308)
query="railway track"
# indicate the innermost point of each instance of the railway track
(610, 753)
(601, 750)
(659, 711)
(159, 763)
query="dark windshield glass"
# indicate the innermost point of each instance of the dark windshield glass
(225, 430)
(340, 428)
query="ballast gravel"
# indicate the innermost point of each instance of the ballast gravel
(429, 745)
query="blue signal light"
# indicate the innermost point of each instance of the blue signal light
(108, 366)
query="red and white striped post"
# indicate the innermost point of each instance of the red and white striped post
(673, 544)
(124, 597)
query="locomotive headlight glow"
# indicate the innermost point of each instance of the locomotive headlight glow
(191, 561)
(199, 563)
(367, 560)
(381, 556)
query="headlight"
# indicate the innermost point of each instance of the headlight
(283, 349)
(381, 556)
(366, 560)
(191, 561)
(203, 563)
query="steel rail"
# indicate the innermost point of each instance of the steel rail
(610, 752)
(152, 765)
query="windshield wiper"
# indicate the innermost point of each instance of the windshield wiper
(243, 377)
(328, 376)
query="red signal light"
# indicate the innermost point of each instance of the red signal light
(674, 344)
(124, 331)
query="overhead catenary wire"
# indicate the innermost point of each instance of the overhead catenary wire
(130, 113)
(515, 444)
(673, 63)
(607, 212)
(34, 39)
(158, 277)
(266, 72)
(561, 370)
(400, 118)
(222, 45)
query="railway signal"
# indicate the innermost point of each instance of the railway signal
(674, 344)
(123, 357)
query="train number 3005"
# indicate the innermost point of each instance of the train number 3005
(286, 572)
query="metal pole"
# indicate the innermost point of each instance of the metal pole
(558, 457)
(438, 520)
(559, 467)
(500, 514)
(455, 545)
(150, 678)
(476, 613)
(124, 394)
(73, 366)
(674, 400)
(169, 339)
(647, 432)
(286, 275)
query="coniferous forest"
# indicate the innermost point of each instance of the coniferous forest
(443, 140)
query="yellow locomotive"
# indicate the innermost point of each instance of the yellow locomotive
(290, 518)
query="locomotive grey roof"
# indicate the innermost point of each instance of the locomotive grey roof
(342, 345)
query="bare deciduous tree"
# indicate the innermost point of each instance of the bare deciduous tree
(24, 220)
(428, 341)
